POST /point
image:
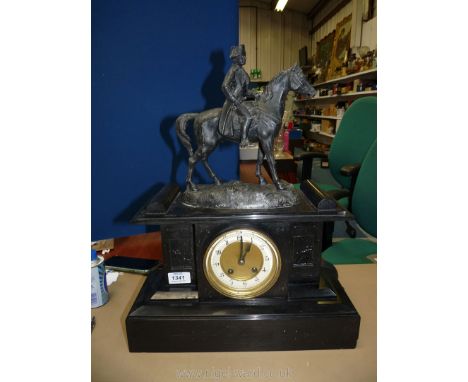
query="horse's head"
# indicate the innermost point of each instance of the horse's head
(298, 82)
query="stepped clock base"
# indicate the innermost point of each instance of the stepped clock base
(310, 318)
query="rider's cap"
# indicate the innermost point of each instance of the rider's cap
(237, 51)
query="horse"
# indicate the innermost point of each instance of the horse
(267, 112)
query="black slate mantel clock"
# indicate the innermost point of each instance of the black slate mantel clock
(237, 279)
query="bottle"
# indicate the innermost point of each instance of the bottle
(99, 292)
(286, 136)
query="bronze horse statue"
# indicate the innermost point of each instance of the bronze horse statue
(267, 112)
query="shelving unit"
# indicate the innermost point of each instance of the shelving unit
(365, 76)
(339, 97)
(315, 116)
(327, 134)
(324, 138)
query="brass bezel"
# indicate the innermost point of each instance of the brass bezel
(232, 292)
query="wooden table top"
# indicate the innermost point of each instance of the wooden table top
(111, 360)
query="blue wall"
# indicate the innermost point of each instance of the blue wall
(152, 61)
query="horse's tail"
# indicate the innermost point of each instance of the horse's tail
(181, 127)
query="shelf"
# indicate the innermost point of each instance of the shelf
(313, 116)
(349, 77)
(327, 134)
(282, 155)
(321, 136)
(339, 96)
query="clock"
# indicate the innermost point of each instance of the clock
(242, 279)
(242, 263)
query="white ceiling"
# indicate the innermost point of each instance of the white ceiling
(303, 6)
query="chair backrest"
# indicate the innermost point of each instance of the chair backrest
(365, 193)
(356, 133)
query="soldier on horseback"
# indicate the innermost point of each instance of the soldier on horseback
(235, 88)
(266, 113)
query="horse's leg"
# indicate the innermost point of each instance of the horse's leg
(210, 170)
(210, 140)
(192, 161)
(258, 171)
(206, 152)
(267, 146)
(200, 154)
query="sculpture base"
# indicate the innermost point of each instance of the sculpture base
(310, 318)
(241, 202)
(238, 195)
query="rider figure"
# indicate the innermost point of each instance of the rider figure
(235, 88)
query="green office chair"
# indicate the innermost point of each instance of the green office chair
(356, 133)
(364, 200)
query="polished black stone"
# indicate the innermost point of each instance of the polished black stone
(312, 318)
(307, 308)
(310, 205)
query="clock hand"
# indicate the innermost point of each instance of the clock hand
(241, 249)
(244, 252)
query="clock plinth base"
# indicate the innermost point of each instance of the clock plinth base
(203, 302)
(301, 322)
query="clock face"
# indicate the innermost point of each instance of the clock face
(242, 263)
